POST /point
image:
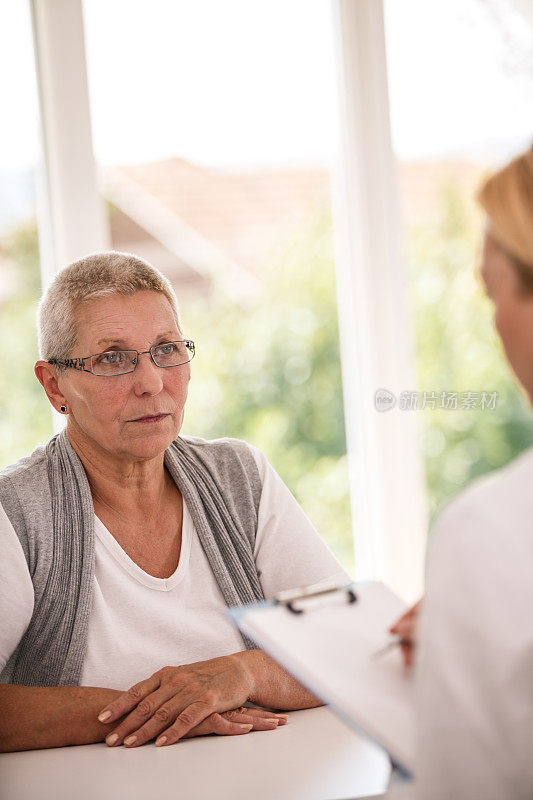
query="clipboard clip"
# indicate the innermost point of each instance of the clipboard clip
(292, 596)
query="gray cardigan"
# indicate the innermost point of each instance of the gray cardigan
(47, 499)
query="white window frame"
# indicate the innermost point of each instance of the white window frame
(72, 218)
(386, 474)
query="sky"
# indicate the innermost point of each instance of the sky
(250, 82)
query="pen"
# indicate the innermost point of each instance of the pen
(393, 642)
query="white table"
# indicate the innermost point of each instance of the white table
(313, 757)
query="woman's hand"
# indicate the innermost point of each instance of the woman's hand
(405, 628)
(177, 701)
(240, 720)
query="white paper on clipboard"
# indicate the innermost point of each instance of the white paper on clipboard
(329, 648)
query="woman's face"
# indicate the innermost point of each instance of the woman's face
(513, 311)
(113, 413)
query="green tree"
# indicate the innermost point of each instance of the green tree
(459, 350)
(25, 419)
(270, 374)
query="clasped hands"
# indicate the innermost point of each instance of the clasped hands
(205, 697)
(190, 700)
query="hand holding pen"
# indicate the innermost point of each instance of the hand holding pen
(404, 633)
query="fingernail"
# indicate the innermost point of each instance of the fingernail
(245, 727)
(130, 740)
(160, 741)
(104, 715)
(272, 720)
(282, 716)
(112, 739)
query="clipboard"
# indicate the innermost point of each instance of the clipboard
(327, 638)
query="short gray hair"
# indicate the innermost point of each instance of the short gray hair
(96, 275)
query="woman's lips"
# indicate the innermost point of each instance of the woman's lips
(151, 419)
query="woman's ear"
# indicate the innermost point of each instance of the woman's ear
(46, 375)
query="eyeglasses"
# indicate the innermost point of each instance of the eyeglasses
(119, 362)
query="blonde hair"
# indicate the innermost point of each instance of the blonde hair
(507, 199)
(94, 276)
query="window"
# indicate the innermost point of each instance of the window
(457, 112)
(24, 418)
(214, 130)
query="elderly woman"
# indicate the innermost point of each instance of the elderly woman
(124, 543)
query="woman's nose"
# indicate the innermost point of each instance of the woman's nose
(147, 376)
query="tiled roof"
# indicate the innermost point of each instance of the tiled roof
(243, 214)
(193, 221)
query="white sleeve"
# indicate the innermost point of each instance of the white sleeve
(289, 553)
(16, 590)
(475, 698)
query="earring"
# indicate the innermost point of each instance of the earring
(63, 409)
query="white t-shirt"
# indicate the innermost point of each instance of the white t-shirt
(139, 623)
(475, 672)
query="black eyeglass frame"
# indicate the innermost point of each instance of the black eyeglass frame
(79, 363)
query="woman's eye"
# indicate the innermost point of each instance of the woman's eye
(110, 358)
(166, 349)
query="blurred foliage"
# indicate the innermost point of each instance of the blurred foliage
(458, 350)
(270, 373)
(25, 419)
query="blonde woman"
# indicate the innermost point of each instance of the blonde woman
(475, 666)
